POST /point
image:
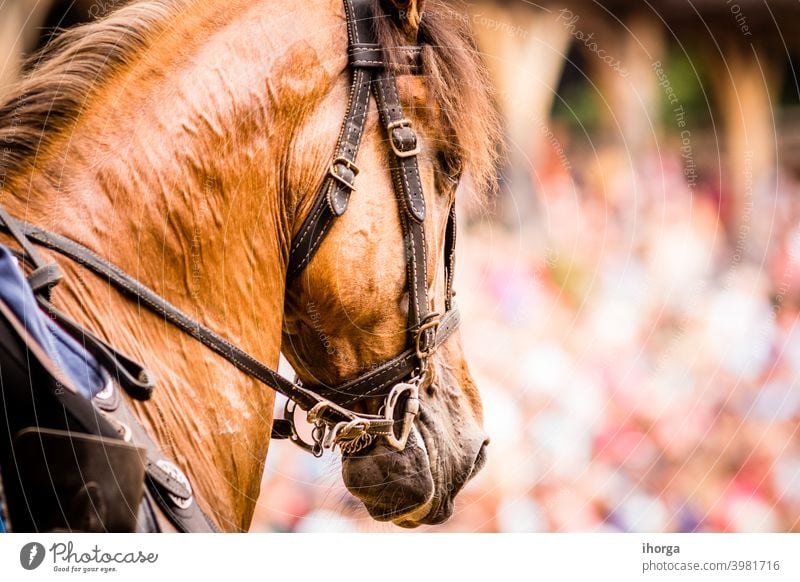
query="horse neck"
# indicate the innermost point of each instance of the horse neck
(174, 175)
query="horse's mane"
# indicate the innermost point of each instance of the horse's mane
(50, 99)
(64, 74)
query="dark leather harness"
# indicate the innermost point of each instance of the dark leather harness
(396, 382)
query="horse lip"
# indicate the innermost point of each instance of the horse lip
(438, 514)
(403, 517)
(415, 517)
(441, 512)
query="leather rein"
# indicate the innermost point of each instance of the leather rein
(329, 409)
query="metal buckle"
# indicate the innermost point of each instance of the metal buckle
(411, 411)
(435, 321)
(405, 122)
(347, 164)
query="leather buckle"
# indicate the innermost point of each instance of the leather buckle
(350, 166)
(394, 139)
(426, 351)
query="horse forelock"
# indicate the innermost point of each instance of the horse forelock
(458, 85)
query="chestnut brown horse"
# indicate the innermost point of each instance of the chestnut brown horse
(184, 140)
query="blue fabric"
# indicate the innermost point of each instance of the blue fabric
(72, 359)
(3, 526)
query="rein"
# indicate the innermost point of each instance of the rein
(330, 409)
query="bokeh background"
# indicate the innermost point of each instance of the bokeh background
(630, 297)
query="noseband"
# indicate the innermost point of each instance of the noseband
(330, 409)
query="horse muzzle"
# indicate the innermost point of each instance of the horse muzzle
(415, 486)
(393, 485)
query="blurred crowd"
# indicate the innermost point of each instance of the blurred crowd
(636, 353)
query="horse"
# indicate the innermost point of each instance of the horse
(184, 141)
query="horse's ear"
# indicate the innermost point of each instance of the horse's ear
(410, 13)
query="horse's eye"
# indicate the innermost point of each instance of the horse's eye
(450, 181)
(451, 169)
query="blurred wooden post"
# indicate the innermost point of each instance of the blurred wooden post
(525, 48)
(20, 26)
(746, 81)
(11, 19)
(619, 62)
(639, 96)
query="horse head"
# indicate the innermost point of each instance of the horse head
(348, 310)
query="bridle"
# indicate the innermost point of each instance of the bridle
(330, 409)
(397, 381)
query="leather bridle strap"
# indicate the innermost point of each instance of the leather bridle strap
(305, 398)
(450, 258)
(332, 199)
(426, 330)
(411, 200)
(377, 382)
(44, 274)
(339, 183)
